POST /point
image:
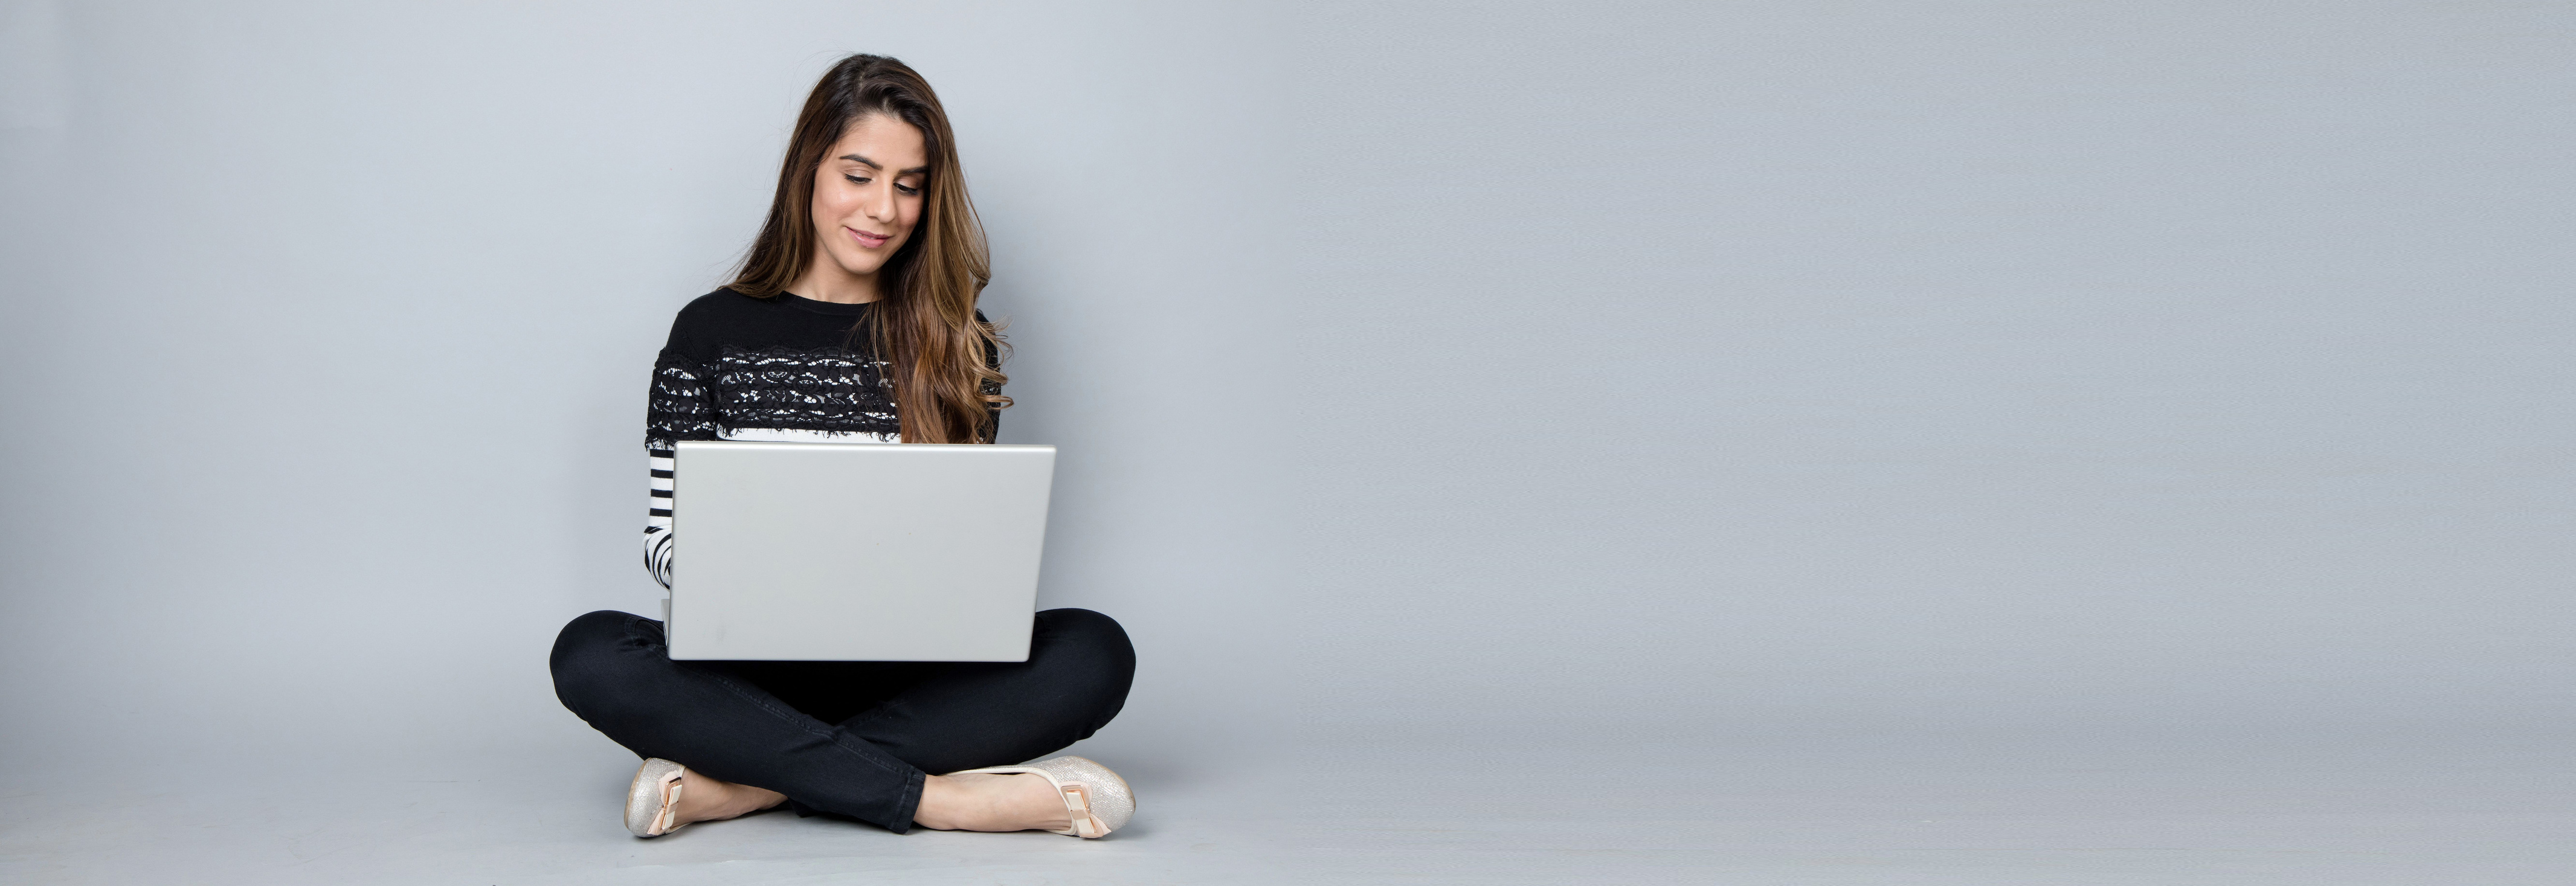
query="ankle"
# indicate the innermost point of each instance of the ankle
(944, 805)
(989, 802)
(708, 799)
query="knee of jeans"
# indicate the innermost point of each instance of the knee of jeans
(1097, 665)
(586, 653)
(1092, 635)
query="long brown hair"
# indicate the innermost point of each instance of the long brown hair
(942, 361)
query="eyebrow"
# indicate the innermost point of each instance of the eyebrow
(880, 167)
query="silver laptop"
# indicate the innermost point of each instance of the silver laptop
(856, 552)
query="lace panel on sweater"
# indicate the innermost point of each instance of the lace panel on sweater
(833, 392)
(679, 407)
(826, 391)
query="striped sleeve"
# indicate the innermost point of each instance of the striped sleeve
(682, 408)
(657, 520)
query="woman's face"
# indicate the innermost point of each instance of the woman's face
(867, 193)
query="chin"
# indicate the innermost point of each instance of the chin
(862, 267)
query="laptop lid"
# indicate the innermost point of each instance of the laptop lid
(856, 552)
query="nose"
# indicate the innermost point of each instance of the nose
(879, 202)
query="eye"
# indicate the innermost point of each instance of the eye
(906, 190)
(855, 179)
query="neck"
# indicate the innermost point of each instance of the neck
(827, 281)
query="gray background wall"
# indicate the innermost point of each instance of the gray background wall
(1903, 375)
(1869, 380)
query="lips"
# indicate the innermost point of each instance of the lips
(868, 240)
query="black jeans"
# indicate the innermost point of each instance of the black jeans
(843, 738)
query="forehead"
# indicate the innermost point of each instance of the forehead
(887, 140)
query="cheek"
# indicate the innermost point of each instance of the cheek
(832, 199)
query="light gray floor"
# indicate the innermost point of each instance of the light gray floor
(2492, 820)
(561, 827)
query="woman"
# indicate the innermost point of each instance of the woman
(852, 319)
